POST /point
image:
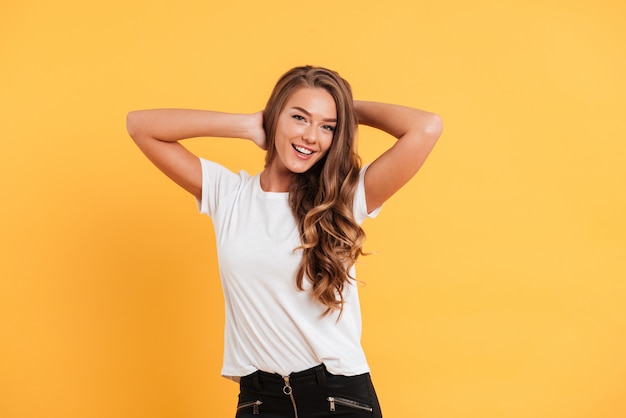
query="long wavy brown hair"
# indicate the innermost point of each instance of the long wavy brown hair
(322, 198)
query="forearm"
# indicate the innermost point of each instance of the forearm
(397, 120)
(171, 125)
(417, 132)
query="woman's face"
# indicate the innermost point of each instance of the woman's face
(304, 130)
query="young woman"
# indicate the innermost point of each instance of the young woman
(288, 237)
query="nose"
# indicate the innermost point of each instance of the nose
(310, 133)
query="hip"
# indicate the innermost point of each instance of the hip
(311, 393)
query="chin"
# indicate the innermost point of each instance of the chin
(301, 169)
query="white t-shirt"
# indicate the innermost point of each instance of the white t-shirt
(270, 324)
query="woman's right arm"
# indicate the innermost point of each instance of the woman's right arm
(157, 132)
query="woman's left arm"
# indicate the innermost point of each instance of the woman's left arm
(416, 131)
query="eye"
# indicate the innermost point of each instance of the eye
(298, 117)
(329, 128)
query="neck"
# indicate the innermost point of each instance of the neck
(276, 182)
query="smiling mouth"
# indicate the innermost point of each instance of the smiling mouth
(302, 150)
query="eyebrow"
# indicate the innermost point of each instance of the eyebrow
(306, 112)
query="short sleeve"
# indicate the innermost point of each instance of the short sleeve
(360, 203)
(217, 183)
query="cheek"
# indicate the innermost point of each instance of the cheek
(285, 132)
(327, 142)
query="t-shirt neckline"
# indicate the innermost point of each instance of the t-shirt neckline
(268, 195)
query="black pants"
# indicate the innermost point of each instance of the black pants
(312, 393)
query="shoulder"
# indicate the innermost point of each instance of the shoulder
(215, 171)
(360, 200)
(218, 183)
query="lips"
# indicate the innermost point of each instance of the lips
(302, 152)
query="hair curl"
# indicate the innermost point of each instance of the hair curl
(322, 197)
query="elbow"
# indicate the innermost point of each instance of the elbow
(434, 127)
(132, 124)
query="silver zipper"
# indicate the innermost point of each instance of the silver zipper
(347, 402)
(255, 406)
(289, 392)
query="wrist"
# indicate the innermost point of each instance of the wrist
(254, 128)
(361, 110)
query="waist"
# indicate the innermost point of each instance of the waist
(308, 374)
(316, 376)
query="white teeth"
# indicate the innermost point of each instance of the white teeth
(303, 150)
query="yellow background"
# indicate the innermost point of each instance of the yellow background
(498, 287)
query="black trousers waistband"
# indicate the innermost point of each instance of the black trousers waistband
(311, 393)
(262, 379)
